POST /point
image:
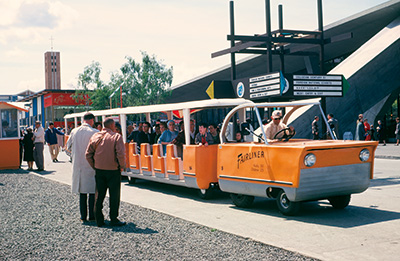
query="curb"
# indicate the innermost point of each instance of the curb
(387, 157)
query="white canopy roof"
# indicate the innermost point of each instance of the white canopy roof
(212, 103)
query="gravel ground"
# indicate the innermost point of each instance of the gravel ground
(40, 221)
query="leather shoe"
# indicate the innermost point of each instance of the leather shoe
(117, 223)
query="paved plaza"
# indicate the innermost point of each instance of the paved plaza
(168, 222)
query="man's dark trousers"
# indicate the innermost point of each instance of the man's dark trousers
(111, 180)
(83, 206)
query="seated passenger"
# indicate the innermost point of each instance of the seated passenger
(156, 133)
(144, 136)
(238, 137)
(214, 133)
(203, 138)
(179, 141)
(135, 134)
(167, 136)
(272, 128)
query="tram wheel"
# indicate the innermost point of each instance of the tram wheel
(205, 193)
(340, 202)
(132, 180)
(242, 201)
(285, 206)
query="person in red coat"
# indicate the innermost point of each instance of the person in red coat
(367, 129)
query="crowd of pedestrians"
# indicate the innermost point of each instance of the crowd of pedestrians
(33, 141)
(363, 130)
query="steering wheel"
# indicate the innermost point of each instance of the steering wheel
(284, 134)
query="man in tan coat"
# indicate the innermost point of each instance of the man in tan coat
(106, 154)
(83, 181)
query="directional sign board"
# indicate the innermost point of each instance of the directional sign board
(318, 85)
(259, 87)
(288, 86)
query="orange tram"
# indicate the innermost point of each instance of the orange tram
(288, 169)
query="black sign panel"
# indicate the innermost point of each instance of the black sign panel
(259, 87)
(288, 86)
(318, 85)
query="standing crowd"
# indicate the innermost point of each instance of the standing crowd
(363, 131)
(34, 140)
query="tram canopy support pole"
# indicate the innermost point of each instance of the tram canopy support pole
(66, 125)
(148, 118)
(186, 122)
(242, 115)
(170, 115)
(123, 126)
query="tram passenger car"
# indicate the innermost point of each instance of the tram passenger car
(287, 169)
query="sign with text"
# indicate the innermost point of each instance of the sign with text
(318, 85)
(289, 86)
(61, 99)
(259, 87)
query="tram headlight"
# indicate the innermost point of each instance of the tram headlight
(364, 155)
(310, 159)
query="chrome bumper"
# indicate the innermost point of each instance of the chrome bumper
(320, 183)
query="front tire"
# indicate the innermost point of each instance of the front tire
(285, 206)
(132, 180)
(242, 201)
(205, 193)
(340, 202)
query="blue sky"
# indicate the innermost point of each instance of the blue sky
(181, 33)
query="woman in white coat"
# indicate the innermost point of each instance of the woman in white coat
(83, 181)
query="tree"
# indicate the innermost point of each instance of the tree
(92, 89)
(143, 83)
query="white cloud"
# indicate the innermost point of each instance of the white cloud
(9, 10)
(33, 20)
(34, 85)
(15, 52)
(35, 14)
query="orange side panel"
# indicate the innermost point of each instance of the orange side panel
(172, 162)
(158, 160)
(280, 164)
(145, 157)
(189, 159)
(127, 155)
(9, 154)
(201, 161)
(133, 158)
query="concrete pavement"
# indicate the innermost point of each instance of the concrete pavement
(390, 151)
(369, 229)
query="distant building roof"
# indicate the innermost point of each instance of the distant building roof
(13, 105)
(44, 92)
